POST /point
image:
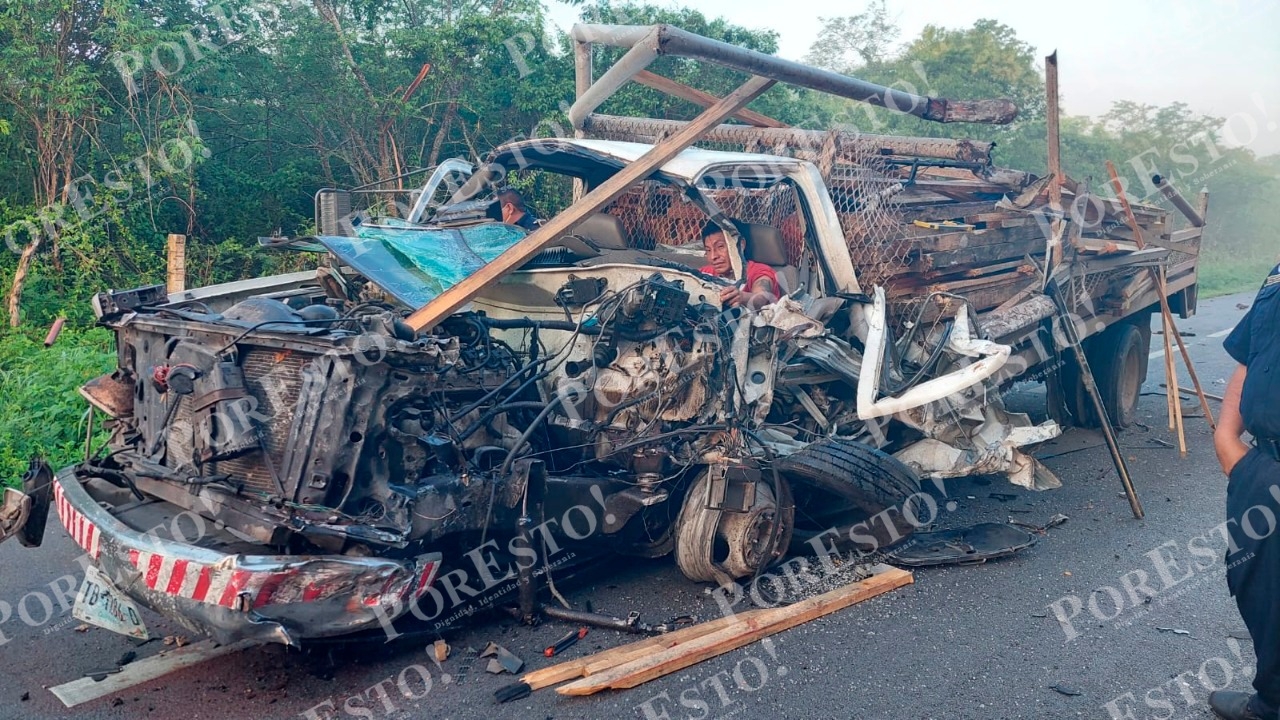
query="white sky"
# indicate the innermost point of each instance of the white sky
(1221, 57)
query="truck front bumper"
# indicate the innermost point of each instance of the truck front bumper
(232, 597)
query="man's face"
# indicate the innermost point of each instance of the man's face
(718, 254)
(510, 214)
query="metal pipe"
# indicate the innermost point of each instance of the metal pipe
(641, 54)
(850, 141)
(1172, 195)
(674, 41)
(607, 622)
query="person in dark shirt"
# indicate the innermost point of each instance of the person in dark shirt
(761, 286)
(1252, 404)
(512, 211)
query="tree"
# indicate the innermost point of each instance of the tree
(846, 44)
(48, 86)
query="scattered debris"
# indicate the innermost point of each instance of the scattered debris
(738, 634)
(1066, 690)
(82, 627)
(570, 639)
(1175, 631)
(117, 679)
(1054, 522)
(464, 669)
(25, 696)
(964, 546)
(1039, 615)
(441, 649)
(503, 660)
(176, 640)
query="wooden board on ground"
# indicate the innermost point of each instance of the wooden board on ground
(592, 664)
(743, 632)
(78, 692)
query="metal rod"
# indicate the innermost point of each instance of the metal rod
(1172, 195)
(636, 59)
(1104, 420)
(649, 129)
(669, 40)
(589, 618)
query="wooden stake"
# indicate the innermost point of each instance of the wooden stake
(743, 632)
(460, 294)
(1158, 276)
(1055, 162)
(1173, 384)
(177, 252)
(698, 97)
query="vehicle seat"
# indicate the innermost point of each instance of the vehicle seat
(765, 245)
(604, 231)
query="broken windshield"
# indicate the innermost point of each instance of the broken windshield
(416, 264)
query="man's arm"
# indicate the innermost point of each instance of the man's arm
(1226, 439)
(761, 293)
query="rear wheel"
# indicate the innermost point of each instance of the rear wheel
(1118, 359)
(1123, 356)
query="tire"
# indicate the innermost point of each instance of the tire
(853, 483)
(1122, 355)
(1118, 359)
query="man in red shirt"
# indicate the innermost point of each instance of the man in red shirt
(761, 286)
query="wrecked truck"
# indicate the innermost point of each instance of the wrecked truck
(342, 464)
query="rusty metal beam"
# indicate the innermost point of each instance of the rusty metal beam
(669, 40)
(648, 129)
(429, 315)
(1172, 195)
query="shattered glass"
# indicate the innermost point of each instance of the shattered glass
(416, 264)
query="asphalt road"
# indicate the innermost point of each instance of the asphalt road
(978, 641)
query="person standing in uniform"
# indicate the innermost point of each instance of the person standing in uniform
(1252, 403)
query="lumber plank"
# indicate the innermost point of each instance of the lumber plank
(589, 664)
(447, 302)
(1178, 236)
(698, 97)
(743, 632)
(980, 254)
(85, 689)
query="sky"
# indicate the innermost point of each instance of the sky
(1220, 57)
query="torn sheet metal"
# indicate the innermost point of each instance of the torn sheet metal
(962, 342)
(955, 448)
(962, 546)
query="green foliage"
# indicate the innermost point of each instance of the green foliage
(40, 411)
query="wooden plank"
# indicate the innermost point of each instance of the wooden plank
(1106, 247)
(460, 294)
(78, 692)
(980, 255)
(591, 664)
(177, 252)
(705, 99)
(1178, 236)
(737, 635)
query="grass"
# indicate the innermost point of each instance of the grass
(41, 413)
(1225, 276)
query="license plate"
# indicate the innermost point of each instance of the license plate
(100, 603)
